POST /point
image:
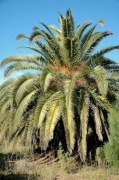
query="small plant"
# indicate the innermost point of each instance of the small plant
(68, 163)
(100, 156)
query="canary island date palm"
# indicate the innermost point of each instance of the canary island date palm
(72, 83)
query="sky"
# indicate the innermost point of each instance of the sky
(20, 16)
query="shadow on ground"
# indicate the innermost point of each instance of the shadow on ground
(7, 168)
(19, 176)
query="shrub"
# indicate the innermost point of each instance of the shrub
(112, 147)
(68, 163)
(100, 156)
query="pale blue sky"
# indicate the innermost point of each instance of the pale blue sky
(19, 16)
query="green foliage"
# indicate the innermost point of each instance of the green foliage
(100, 156)
(112, 147)
(68, 163)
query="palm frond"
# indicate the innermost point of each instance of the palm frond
(69, 86)
(97, 120)
(20, 36)
(88, 35)
(19, 66)
(88, 47)
(101, 80)
(104, 51)
(33, 59)
(35, 36)
(45, 107)
(43, 143)
(51, 120)
(26, 86)
(55, 29)
(82, 144)
(48, 80)
(79, 32)
(101, 101)
(107, 63)
(22, 108)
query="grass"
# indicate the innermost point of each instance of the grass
(26, 169)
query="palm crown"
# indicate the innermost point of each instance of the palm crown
(73, 84)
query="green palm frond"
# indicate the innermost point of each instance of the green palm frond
(24, 129)
(104, 123)
(101, 101)
(55, 29)
(88, 35)
(36, 35)
(19, 66)
(90, 45)
(104, 51)
(36, 28)
(71, 48)
(46, 27)
(101, 80)
(19, 130)
(6, 88)
(41, 102)
(69, 86)
(24, 85)
(28, 137)
(81, 29)
(97, 120)
(33, 59)
(43, 113)
(70, 24)
(82, 144)
(22, 107)
(45, 107)
(48, 79)
(6, 104)
(112, 67)
(53, 44)
(20, 36)
(113, 76)
(47, 51)
(43, 143)
(52, 118)
(105, 62)
(6, 96)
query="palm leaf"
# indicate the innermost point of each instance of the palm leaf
(51, 120)
(22, 107)
(97, 122)
(48, 79)
(82, 147)
(20, 36)
(101, 80)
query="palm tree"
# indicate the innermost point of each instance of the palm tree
(72, 84)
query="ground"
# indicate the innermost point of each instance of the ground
(24, 170)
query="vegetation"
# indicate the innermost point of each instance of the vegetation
(68, 97)
(111, 149)
(100, 157)
(24, 169)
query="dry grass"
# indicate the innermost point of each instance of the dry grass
(40, 169)
(55, 171)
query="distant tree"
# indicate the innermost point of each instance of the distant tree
(73, 84)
